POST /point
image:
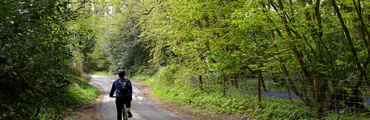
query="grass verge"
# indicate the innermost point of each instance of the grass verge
(211, 104)
(78, 96)
(82, 94)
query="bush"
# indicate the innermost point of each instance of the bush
(36, 105)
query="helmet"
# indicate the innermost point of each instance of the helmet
(121, 73)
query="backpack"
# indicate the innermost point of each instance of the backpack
(122, 86)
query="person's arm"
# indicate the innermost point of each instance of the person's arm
(130, 87)
(112, 90)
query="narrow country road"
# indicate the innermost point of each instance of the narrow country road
(141, 107)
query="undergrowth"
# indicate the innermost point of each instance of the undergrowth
(79, 96)
(238, 103)
(83, 94)
(38, 106)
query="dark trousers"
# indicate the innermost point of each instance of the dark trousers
(119, 101)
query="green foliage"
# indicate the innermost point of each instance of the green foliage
(167, 75)
(104, 73)
(287, 41)
(35, 59)
(192, 44)
(83, 42)
(38, 106)
(118, 45)
(239, 103)
(83, 94)
(345, 115)
(284, 109)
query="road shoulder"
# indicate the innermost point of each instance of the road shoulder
(146, 90)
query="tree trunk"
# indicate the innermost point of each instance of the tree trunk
(262, 81)
(200, 82)
(259, 77)
(287, 76)
(356, 99)
(223, 85)
(318, 96)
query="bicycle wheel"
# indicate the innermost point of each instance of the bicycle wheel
(124, 113)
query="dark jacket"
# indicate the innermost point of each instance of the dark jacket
(121, 92)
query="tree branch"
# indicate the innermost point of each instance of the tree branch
(150, 10)
(348, 35)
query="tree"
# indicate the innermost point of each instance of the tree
(35, 67)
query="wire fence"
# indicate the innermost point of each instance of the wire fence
(322, 94)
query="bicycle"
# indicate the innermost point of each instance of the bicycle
(124, 111)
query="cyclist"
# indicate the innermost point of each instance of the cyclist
(123, 89)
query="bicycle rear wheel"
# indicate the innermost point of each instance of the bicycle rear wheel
(124, 113)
